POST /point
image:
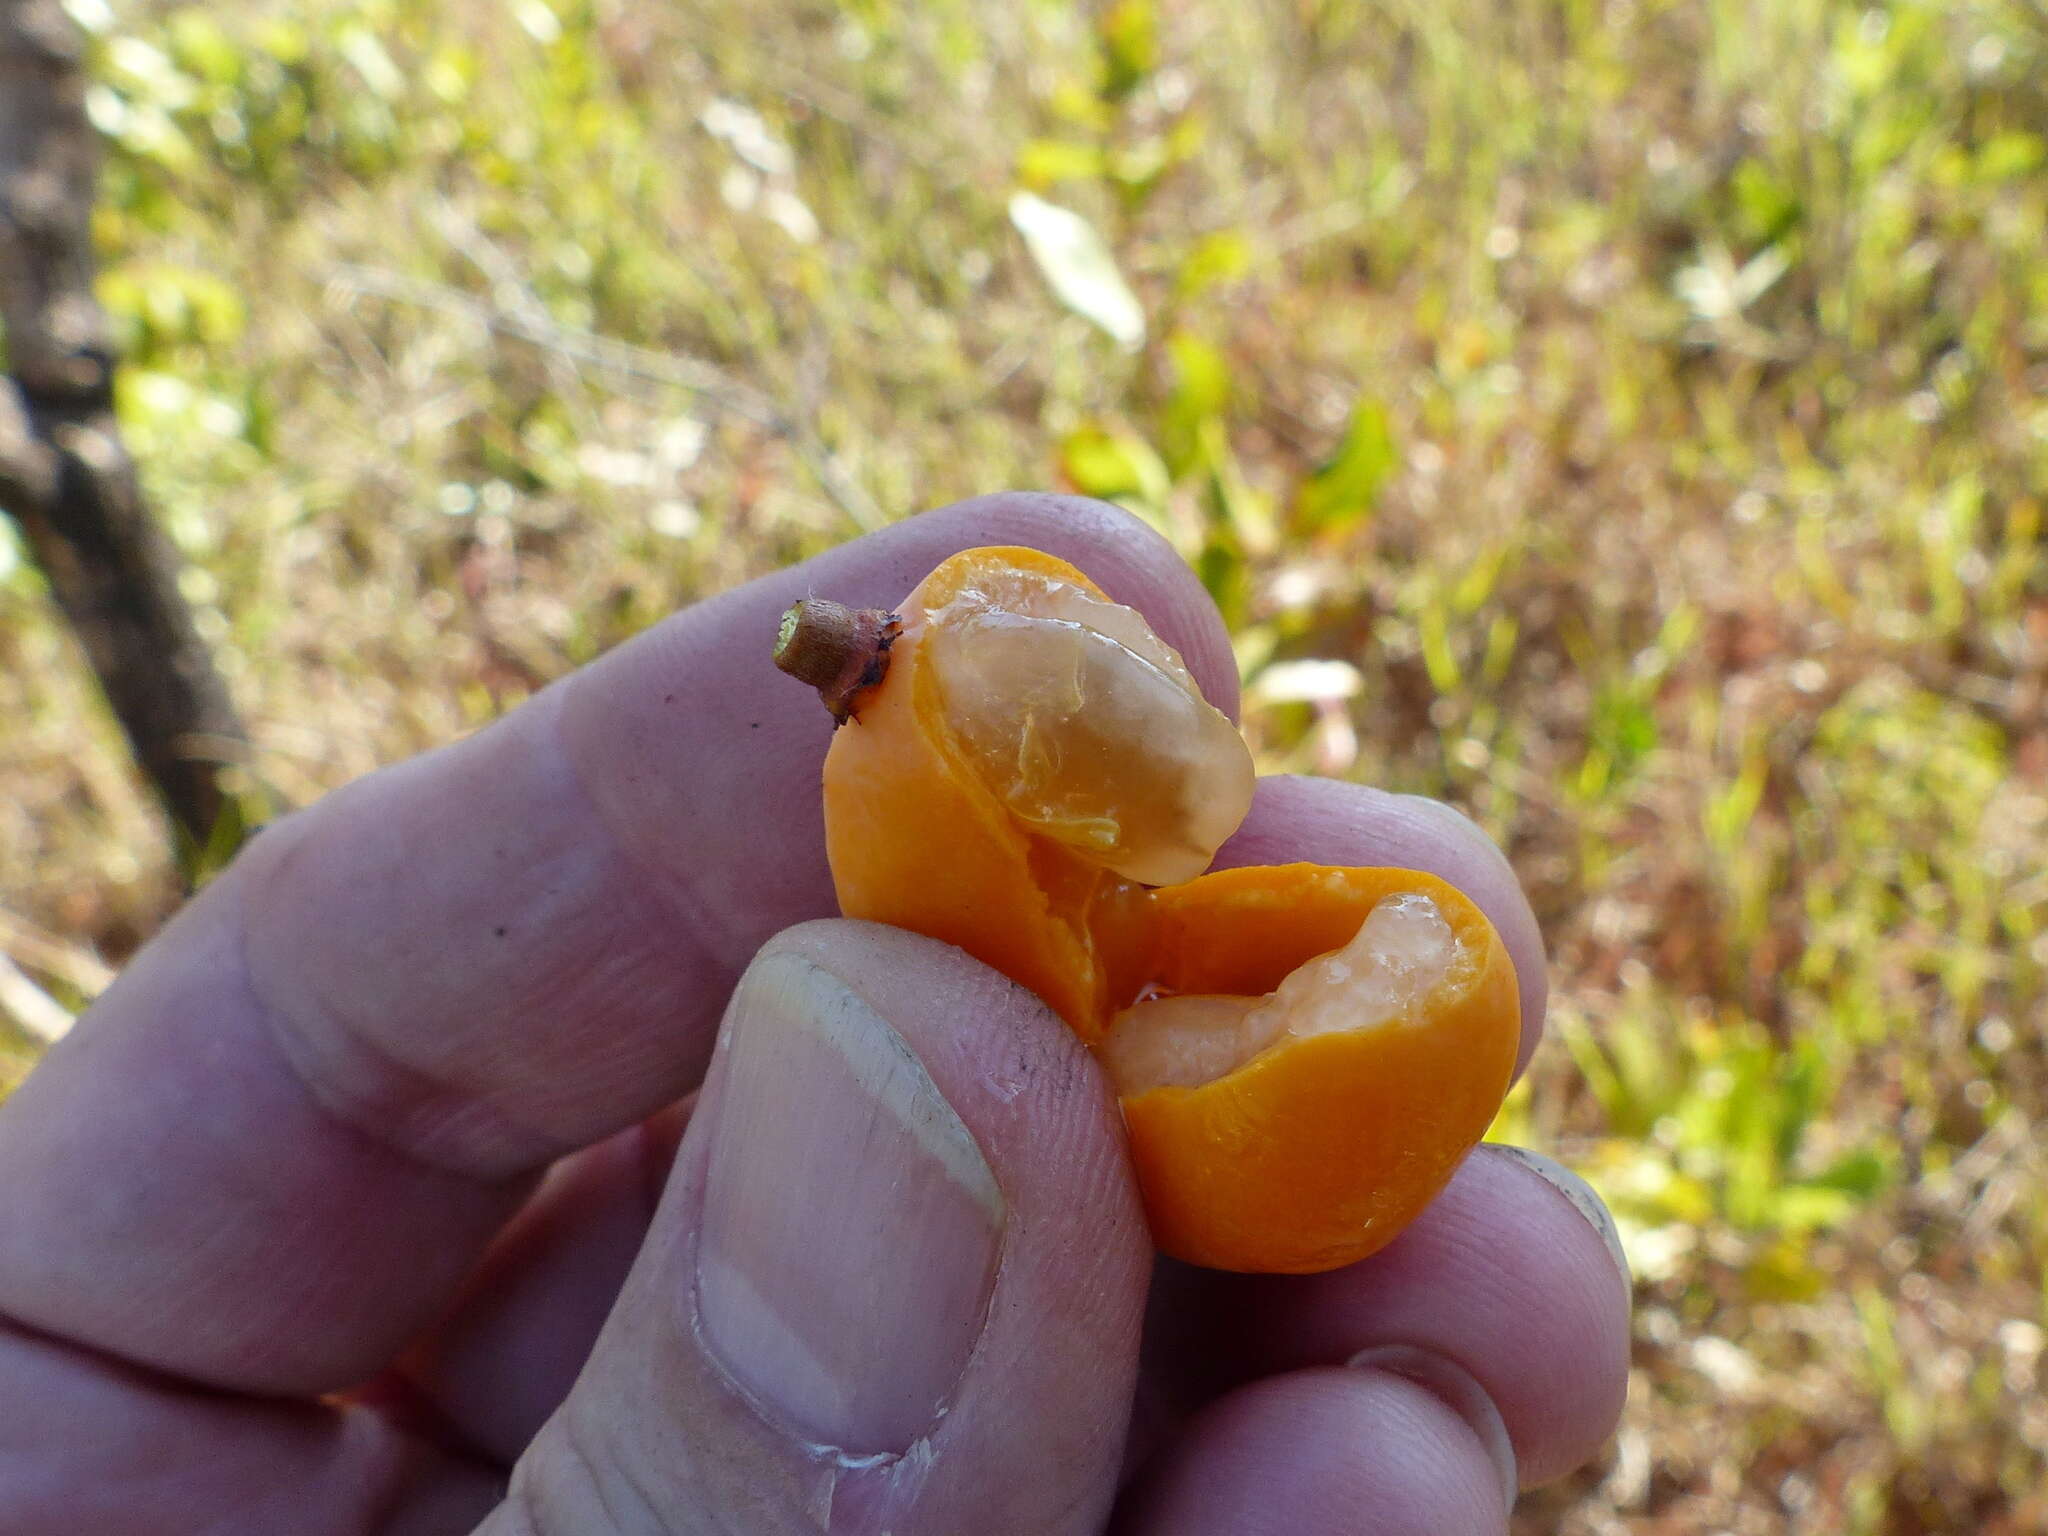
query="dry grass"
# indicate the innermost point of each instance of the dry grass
(1691, 359)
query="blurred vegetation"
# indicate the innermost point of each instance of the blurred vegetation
(1628, 421)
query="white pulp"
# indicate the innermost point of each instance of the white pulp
(1089, 727)
(1403, 952)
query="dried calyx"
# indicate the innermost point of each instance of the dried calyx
(840, 651)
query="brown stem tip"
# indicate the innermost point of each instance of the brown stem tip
(840, 651)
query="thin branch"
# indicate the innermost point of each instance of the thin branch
(65, 476)
(594, 350)
(57, 335)
(28, 470)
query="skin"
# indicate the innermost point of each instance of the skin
(315, 1219)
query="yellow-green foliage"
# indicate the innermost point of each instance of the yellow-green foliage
(1640, 403)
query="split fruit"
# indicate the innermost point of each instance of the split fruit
(1303, 1053)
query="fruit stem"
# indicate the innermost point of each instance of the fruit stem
(840, 651)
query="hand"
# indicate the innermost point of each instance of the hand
(353, 1197)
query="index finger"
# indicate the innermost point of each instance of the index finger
(267, 1156)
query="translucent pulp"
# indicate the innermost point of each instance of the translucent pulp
(1403, 952)
(1088, 726)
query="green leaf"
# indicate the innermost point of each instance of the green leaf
(1220, 258)
(1730, 810)
(1077, 263)
(1622, 725)
(2008, 156)
(1046, 162)
(1766, 205)
(203, 49)
(1115, 466)
(1244, 509)
(1432, 627)
(1201, 374)
(1129, 34)
(1343, 492)
(1136, 169)
(1863, 1174)
(1809, 1208)
(1222, 569)
(1785, 1271)
(241, 817)
(1200, 394)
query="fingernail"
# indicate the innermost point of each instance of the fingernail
(851, 1225)
(1459, 1391)
(1574, 1189)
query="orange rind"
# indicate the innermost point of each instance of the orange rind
(1303, 1054)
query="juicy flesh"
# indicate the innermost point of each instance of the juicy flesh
(1403, 953)
(1087, 725)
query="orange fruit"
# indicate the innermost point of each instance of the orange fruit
(1319, 1147)
(1303, 1054)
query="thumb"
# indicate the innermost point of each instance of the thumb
(894, 1285)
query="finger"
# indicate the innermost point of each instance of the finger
(1325, 1453)
(1328, 822)
(895, 1282)
(1512, 1279)
(513, 1344)
(542, 1285)
(269, 1154)
(90, 1445)
(550, 1279)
